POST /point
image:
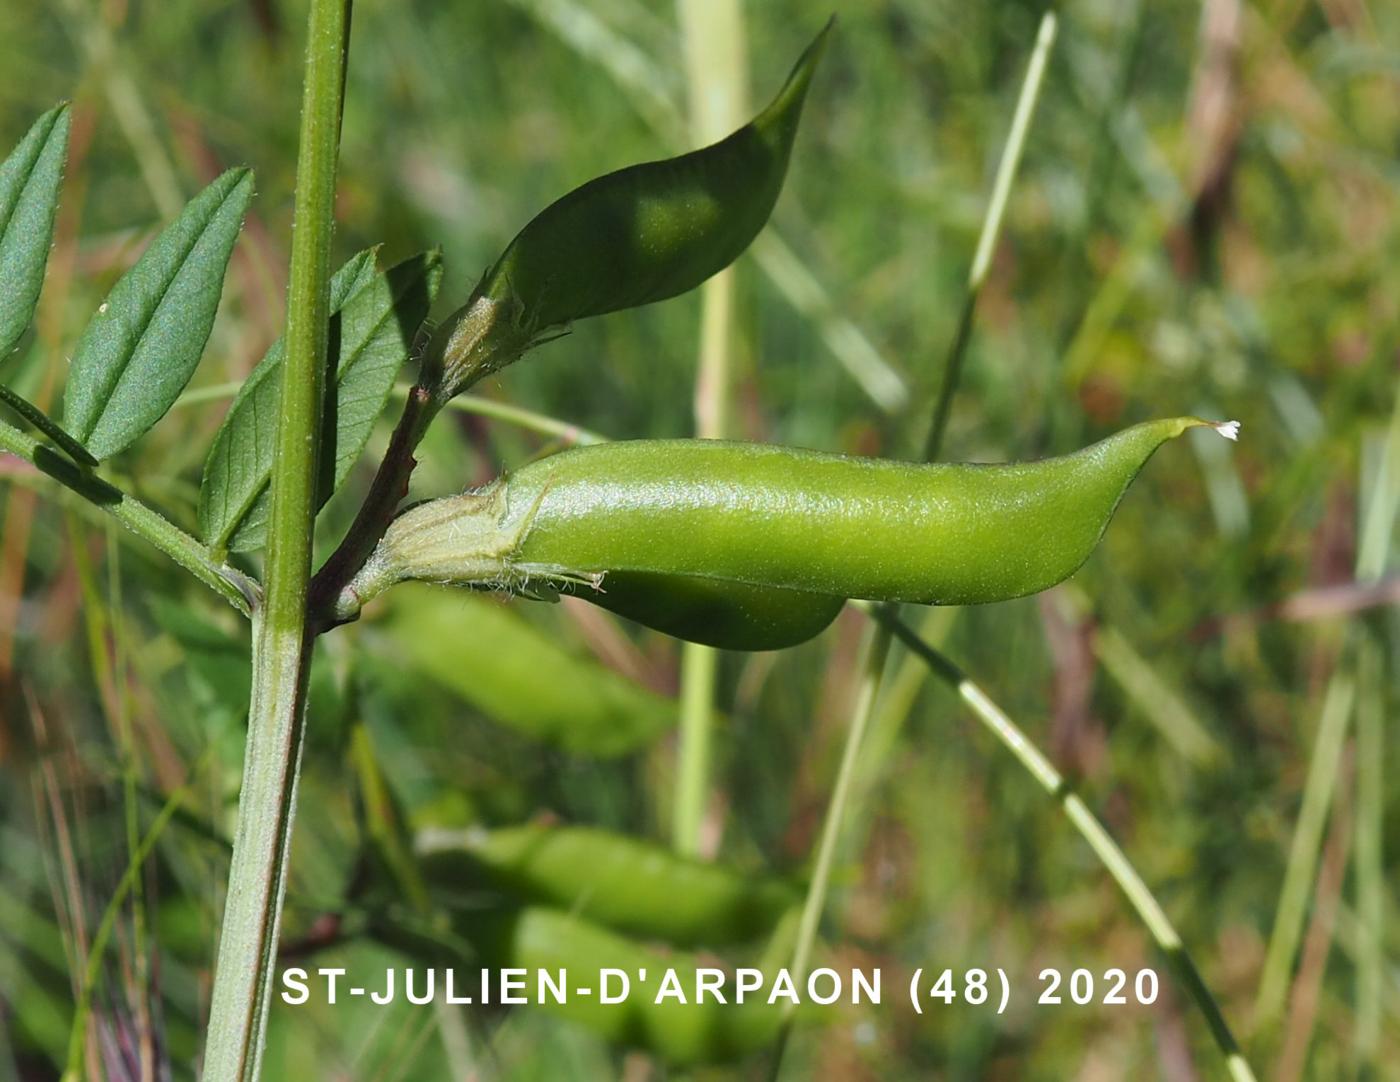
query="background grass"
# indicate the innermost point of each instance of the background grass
(1206, 220)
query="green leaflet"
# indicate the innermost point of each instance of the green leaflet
(144, 342)
(29, 181)
(378, 328)
(755, 517)
(239, 464)
(520, 677)
(638, 235)
(632, 886)
(374, 317)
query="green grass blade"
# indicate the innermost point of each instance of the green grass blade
(991, 229)
(1307, 842)
(92, 971)
(1370, 855)
(1377, 530)
(1114, 860)
(716, 54)
(1157, 700)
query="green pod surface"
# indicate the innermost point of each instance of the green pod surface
(525, 681)
(681, 1034)
(629, 885)
(726, 615)
(655, 230)
(774, 517)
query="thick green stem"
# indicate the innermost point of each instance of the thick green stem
(281, 641)
(229, 583)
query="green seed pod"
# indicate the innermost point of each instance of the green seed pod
(773, 517)
(681, 1034)
(629, 885)
(638, 235)
(715, 612)
(583, 707)
(655, 230)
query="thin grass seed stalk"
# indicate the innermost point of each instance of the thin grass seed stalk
(770, 524)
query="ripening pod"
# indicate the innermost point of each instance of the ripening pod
(655, 230)
(641, 234)
(752, 546)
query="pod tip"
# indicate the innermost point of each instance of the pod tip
(1229, 429)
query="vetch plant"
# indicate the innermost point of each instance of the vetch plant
(740, 546)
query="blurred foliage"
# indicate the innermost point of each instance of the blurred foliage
(1207, 220)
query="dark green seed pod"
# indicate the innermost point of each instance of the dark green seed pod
(632, 237)
(727, 615)
(654, 230)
